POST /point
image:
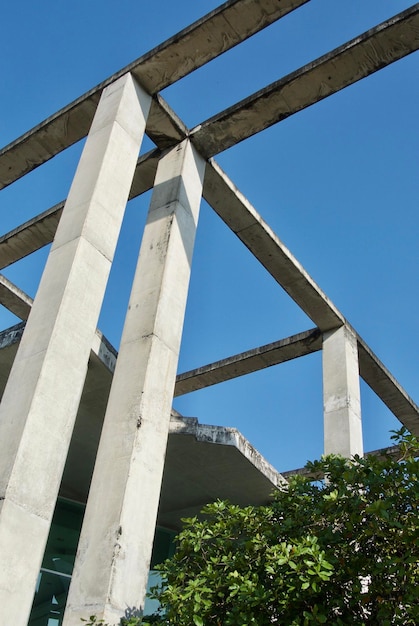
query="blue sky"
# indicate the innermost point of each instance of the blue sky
(337, 182)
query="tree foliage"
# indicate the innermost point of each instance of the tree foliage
(339, 550)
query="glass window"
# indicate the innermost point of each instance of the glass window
(163, 548)
(57, 565)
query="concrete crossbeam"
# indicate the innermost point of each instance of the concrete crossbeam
(218, 31)
(204, 40)
(36, 419)
(235, 210)
(40, 230)
(360, 57)
(249, 361)
(371, 369)
(392, 452)
(30, 236)
(111, 568)
(14, 299)
(383, 383)
(341, 393)
(72, 123)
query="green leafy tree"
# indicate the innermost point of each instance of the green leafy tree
(340, 550)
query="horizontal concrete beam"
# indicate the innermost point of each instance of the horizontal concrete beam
(30, 236)
(40, 230)
(249, 361)
(393, 452)
(237, 212)
(204, 40)
(383, 383)
(360, 57)
(375, 374)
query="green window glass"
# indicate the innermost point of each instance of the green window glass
(57, 565)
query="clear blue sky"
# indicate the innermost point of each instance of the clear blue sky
(337, 182)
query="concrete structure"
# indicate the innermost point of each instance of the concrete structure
(67, 365)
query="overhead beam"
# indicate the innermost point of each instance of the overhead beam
(204, 40)
(40, 230)
(249, 361)
(234, 209)
(243, 219)
(392, 452)
(386, 387)
(356, 59)
(14, 299)
(72, 123)
(375, 374)
(30, 236)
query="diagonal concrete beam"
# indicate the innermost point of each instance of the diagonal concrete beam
(249, 361)
(239, 215)
(386, 387)
(360, 57)
(72, 123)
(204, 40)
(233, 208)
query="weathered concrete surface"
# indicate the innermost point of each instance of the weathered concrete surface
(30, 236)
(202, 462)
(37, 418)
(387, 388)
(111, 569)
(375, 374)
(360, 57)
(249, 361)
(40, 230)
(392, 452)
(341, 393)
(237, 212)
(220, 30)
(14, 299)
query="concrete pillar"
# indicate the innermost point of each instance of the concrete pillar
(41, 399)
(341, 393)
(114, 551)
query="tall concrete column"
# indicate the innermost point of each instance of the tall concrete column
(113, 558)
(341, 393)
(41, 399)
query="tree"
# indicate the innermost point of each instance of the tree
(342, 549)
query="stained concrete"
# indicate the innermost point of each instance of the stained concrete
(111, 569)
(37, 418)
(250, 361)
(384, 44)
(371, 369)
(183, 53)
(354, 60)
(341, 393)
